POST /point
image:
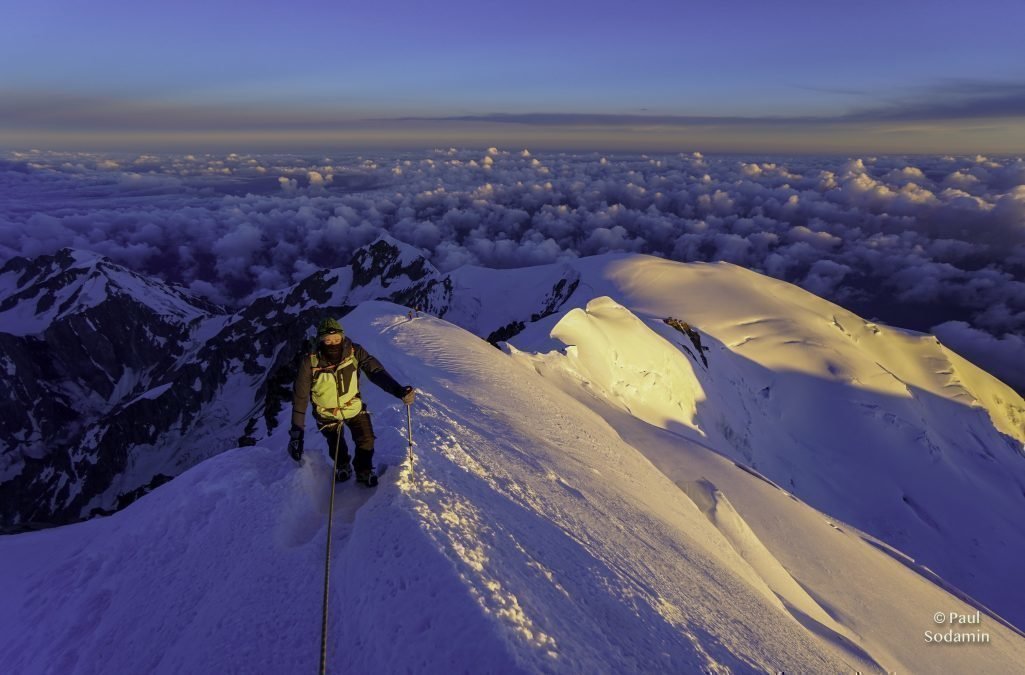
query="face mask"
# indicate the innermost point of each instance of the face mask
(332, 352)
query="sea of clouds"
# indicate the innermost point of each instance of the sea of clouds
(933, 243)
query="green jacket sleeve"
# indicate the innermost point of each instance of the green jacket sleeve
(301, 392)
(376, 372)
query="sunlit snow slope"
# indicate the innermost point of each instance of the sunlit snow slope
(887, 430)
(544, 529)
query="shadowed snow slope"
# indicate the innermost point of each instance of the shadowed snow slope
(542, 530)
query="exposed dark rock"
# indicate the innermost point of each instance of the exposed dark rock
(383, 262)
(433, 296)
(505, 332)
(558, 296)
(693, 335)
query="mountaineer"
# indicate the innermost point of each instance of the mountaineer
(330, 375)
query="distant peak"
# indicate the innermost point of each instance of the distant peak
(387, 258)
(407, 253)
(77, 257)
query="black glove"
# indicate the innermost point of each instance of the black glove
(295, 443)
(408, 394)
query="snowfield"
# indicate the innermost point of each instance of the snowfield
(590, 498)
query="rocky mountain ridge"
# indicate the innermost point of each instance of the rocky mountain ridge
(112, 382)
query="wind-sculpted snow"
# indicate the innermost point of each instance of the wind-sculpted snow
(537, 533)
(885, 431)
(645, 375)
(922, 242)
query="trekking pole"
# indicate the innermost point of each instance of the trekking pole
(409, 435)
(327, 557)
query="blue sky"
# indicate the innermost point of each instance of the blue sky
(928, 76)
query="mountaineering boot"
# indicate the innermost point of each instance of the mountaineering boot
(367, 477)
(343, 473)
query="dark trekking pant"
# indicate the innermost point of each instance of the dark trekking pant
(362, 432)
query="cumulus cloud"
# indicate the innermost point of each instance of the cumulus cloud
(915, 241)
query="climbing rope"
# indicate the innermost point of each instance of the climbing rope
(327, 557)
(330, 521)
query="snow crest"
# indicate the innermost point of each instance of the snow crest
(564, 513)
(622, 360)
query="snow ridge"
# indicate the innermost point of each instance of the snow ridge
(594, 495)
(543, 530)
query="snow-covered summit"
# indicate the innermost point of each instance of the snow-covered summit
(545, 529)
(726, 387)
